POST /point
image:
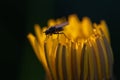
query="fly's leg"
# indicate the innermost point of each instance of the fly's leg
(61, 33)
(47, 36)
(57, 34)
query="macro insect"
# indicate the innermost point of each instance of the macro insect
(56, 29)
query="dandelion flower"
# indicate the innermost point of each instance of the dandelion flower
(83, 54)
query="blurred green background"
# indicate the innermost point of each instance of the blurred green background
(17, 18)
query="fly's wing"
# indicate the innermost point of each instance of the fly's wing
(61, 25)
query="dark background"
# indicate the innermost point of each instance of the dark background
(17, 18)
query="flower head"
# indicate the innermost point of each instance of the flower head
(82, 52)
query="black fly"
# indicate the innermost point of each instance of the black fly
(55, 29)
